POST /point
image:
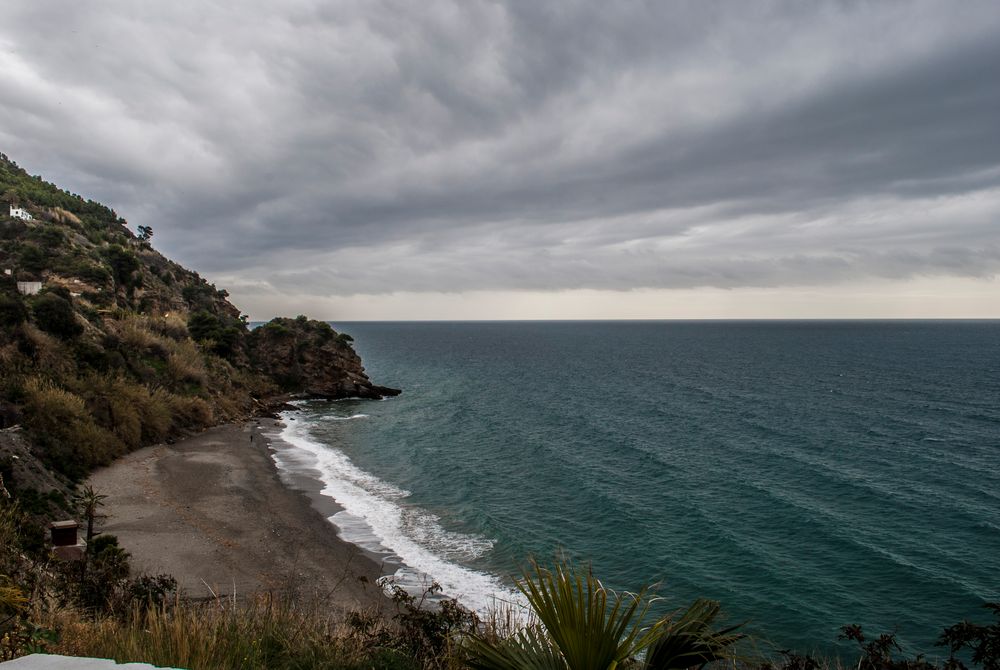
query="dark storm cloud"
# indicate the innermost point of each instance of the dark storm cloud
(328, 148)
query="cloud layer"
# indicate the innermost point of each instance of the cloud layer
(312, 148)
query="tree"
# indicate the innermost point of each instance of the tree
(88, 502)
(145, 233)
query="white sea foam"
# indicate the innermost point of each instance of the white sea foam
(345, 418)
(377, 518)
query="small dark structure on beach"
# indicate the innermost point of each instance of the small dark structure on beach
(66, 545)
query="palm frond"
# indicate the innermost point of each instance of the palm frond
(573, 607)
(528, 649)
(690, 641)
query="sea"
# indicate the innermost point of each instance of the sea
(806, 474)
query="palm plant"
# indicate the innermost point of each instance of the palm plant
(584, 626)
(89, 502)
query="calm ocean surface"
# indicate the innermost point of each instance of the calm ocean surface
(806, 474)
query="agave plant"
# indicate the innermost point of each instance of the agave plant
(584, 626)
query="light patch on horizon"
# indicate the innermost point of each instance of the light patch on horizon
(922, 298)
(652, 160)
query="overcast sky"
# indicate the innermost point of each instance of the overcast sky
(464, 159)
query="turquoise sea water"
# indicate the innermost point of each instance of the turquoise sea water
(806, 474)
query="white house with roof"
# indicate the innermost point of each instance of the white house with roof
(20, 213)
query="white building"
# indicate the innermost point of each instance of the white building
(20, 213)
(29, 287)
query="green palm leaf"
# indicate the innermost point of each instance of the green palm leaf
(584, 626)
(528, 649)
(690, 641)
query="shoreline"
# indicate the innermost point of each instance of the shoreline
(214, 511)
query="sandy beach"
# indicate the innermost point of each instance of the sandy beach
(211, 511)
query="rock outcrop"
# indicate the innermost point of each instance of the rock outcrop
(307, 357)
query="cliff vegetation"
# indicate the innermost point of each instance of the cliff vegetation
(107, 346)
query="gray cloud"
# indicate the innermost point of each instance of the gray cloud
(365, 147)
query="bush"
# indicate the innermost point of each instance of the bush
(124, 265)
(169, 326)
(54, 314)
(12, 310)
(198, 296)
(185, 364)
(136, 415)
(58, 420)
(190, 412)
(49, 237)
(91, 273)
(136, 335)
(222, 339)
(276, 329)
(32, 259)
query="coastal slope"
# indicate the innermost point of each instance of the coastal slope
(107, 346)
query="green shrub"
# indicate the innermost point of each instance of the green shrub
(220, 337)
(12, 310)
(92, 273)
(32, 258)
(54, 314)
(276, 329)
(49, 237)
(123, 264)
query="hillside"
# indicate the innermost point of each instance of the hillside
(106, 345)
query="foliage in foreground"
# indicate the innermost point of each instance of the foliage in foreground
(584, 626)
(100, 609)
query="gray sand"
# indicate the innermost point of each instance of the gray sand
(212, 511)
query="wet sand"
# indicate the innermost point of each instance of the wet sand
(212, 511)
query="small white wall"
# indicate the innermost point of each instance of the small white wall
(29, 287)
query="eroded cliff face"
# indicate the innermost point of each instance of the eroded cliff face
(307, 357)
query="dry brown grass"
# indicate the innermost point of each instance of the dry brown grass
(48, 353)
(186, 363)
(172, 326)
(61, 422)
(190, 412)
(266, 632)
(64, 216)
(135, 333)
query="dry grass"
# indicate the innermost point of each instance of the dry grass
(186, 363)
(136, 334)
(48, 353)
(9, 355)
(172, 326)
(64, 216)
(190, 412)
(61, 422)
(267, 632)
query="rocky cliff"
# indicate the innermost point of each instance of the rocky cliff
(311, 358)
